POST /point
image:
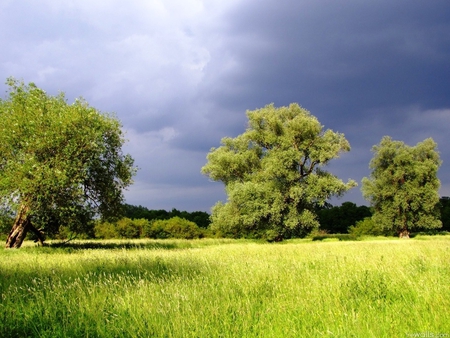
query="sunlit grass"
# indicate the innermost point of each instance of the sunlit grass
(226, 288)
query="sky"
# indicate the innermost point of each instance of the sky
(181, 74)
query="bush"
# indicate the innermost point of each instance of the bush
(105, 230)
(126, 228)
(123, 228)
(156, 230)
(175, 227)
(367, 227)
(64, 233)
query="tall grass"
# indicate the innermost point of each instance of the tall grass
(211, 288)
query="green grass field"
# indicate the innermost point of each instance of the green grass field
(227, 288)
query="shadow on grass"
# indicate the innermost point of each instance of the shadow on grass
(110, 263)
(340, 237)
(70, 246)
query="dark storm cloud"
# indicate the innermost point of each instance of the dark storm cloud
(363, 68)
(180, 75)
(343, 58)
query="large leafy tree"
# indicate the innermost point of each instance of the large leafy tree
(60, 163)
(403, 186)
(274, 174)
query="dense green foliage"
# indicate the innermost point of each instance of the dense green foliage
(60, 163)
(273, 174)
(6, 222)
(218, 288)
(367, 227)
(403, 186)
(338, 219)
(174, 227)
(200, 218)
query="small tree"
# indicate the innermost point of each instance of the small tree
(403, 186)
(59, 163)
(273, 174)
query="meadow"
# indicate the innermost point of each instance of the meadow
(227, 288)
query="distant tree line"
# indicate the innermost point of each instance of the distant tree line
(338, 219)
(353, 219)
(200, 218)
(174, 227)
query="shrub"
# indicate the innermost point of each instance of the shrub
(105, 230)
(64, 233)
(175, 227)
(127, 228)
(156, 229)
(367, 227)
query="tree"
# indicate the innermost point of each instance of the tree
(273, 174)
(403, 186)
(59, 162)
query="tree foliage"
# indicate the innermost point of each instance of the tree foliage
(174, 227)
(274, 174)
(200, 218)
(60, 163)
(403, 186)
(367, 227)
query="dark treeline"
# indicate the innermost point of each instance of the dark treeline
(200, 218)
(444, 205)
(339, 219)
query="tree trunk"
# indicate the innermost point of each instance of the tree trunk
(20, 229)
(404, 233)
(38, 233)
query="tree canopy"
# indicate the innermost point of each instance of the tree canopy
(59, 162)
(274, 174)
(403, 185)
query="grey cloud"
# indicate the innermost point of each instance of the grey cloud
(181, 74)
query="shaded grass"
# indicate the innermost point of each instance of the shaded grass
(226, 288)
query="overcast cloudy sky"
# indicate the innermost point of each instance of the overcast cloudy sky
(180, 75)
